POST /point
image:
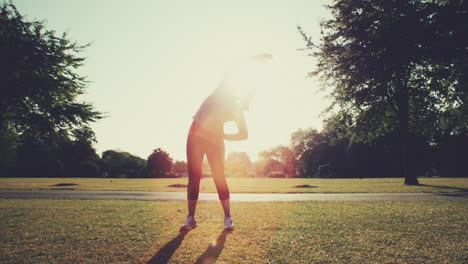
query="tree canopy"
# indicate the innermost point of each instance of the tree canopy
(238, 164)
(120, 164)
(39, 79)
(282, 157)
(396, 67)
(159, 163)
(44, 129)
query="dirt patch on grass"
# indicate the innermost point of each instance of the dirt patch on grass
(64, 184)
(305, 186)
(178, 185)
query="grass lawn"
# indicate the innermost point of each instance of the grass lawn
(73, 231)
(242, 185)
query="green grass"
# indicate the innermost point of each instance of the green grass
(72, 231)
(244, 185)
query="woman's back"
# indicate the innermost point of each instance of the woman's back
(214, 112)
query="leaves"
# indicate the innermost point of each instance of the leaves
(39, 82)
(374, 52)
(159, 163)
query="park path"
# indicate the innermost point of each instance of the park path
(235, 197)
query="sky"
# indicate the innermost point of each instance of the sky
(151, 63)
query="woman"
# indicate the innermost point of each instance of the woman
(206, 137)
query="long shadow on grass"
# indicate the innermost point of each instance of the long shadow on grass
(165, 253)
(212, 253)
(445, 187)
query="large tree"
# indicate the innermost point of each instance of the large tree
(309, 147)
(179, 169)
(159, 163)
(119, 164)
(238, 164)
(396, 66)
(39, 79)
(284, 155)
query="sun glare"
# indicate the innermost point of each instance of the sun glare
(274, 99)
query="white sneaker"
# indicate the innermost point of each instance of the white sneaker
(189, 224)
(228, 223)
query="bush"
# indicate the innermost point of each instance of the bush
(8, 147)
(172, 175)
(451, 156)
(89, 169)
(123, 165)
(276, 174)
(325, 171)
(38, 159)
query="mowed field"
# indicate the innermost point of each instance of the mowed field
(241, 185)
(82, 231)
(75, 231)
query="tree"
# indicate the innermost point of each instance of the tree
(179, 168)
(8, 147)
(159, 163)
(79, 157)
(38, 78)
(308, 146)
(238, 164)
(396, 66)
(123, 165)
(451, 156)
(285, 156)
(37, 158)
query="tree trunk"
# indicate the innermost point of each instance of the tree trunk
(404, 137)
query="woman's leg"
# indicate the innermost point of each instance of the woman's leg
(195, 156)
(215, 155)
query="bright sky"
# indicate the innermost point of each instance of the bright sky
(152, 63)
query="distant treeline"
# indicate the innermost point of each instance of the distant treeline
(312, 154)
(62, 156)
(324, 155)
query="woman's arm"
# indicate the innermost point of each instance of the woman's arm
(241, 127)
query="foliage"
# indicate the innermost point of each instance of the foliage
(325, 155)
(38, 77)
(8, 147)
(309, 146)
(286, 158)
(238, 164)
(80, 158)
(123, 165)
(58, 156)
(276, 174)
(179, 168)
(37, 158)
(44, 130)
(450, 160)
(272, 166)
(159, 163)
(396, 67)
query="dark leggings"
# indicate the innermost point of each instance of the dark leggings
(197, 147)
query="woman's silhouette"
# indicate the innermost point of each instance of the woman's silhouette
(206, 137)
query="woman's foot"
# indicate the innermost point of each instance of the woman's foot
(189, 224)
(228, 223)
